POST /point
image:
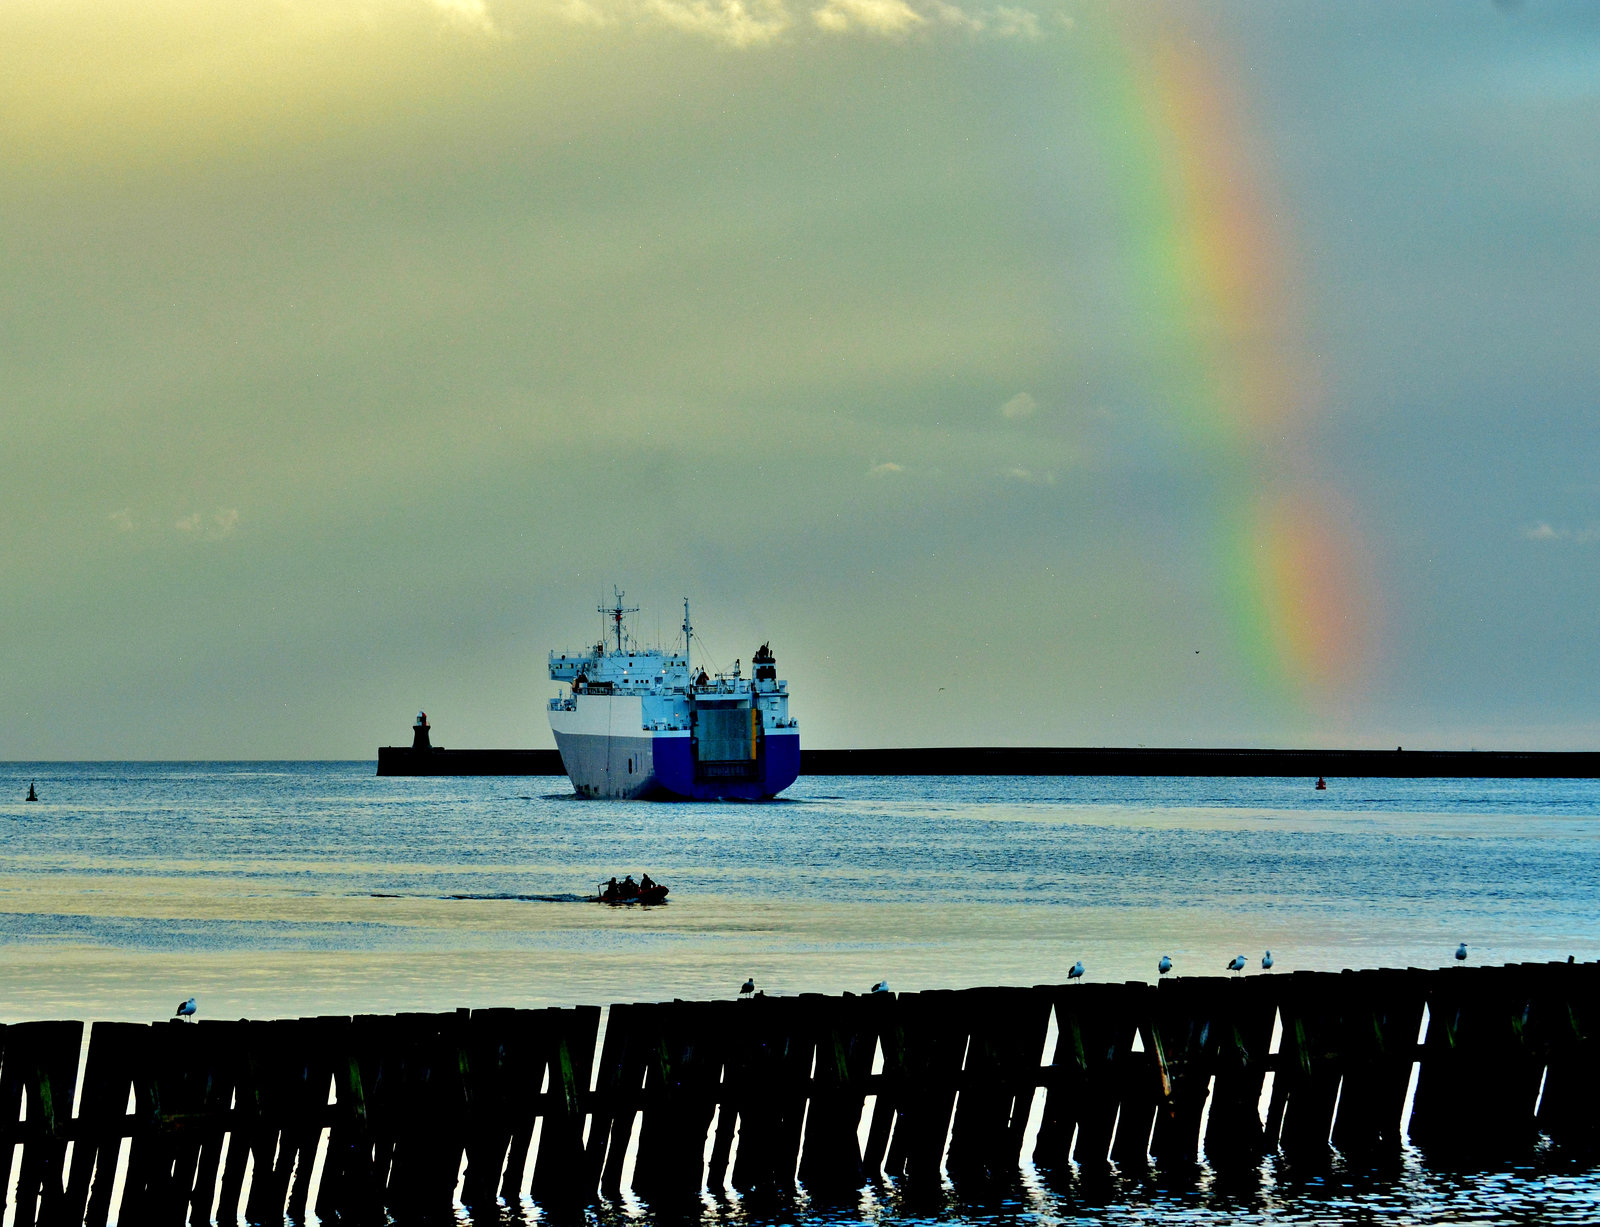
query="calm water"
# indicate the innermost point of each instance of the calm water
(269, 889)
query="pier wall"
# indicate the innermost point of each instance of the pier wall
(355, 1117)
(1042, 760)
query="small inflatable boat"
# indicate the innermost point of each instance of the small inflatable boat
(616, 893)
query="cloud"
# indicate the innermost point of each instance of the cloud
(728, 21)
(959, 18)
(221, 523)
(875, 16)
(471, 13)
(1030, 477)
(888, 466)
(121, 521)
(1019, 406)
(1015, 23)
(583, 13)
(1002, 21)
(1545, 532)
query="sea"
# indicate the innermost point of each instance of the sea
(284, 889)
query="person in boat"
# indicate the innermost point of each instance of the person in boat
(630, 888)
(645, 883)
(610, 892)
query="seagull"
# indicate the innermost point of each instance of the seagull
(1461, 951)
(882, 986)
(1236, 963)
(1165, 965)
(748, 987)
(1266, 961)
(185, 1009)
(1077, 971)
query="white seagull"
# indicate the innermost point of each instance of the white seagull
(1165, 965)
(1461, 951)
(1236, 963)
(748, 987)
(882, 986)
(1266, 961)
(1077, 971)
(185, 1009)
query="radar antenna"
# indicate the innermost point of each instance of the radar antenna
(616, 613)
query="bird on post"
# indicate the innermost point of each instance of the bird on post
(1266, 961)
(185, 1009)
(1236, 963)
(748, 987)
(882, 986)
(1165, 965)
(1461, 952)
(1077, 971)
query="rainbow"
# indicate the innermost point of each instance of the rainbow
(1212, 283)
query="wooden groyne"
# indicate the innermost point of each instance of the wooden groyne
(1090, 760)
(356, 1117)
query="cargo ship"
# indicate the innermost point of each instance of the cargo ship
(642, 723)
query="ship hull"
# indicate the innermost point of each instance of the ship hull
(603, 762)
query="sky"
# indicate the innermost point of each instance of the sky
(1058, 373)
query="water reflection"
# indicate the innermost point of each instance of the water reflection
(1546, 1188)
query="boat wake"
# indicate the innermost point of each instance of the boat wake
(501, 897)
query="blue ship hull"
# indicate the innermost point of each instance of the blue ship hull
(675, 772)
(642, 767)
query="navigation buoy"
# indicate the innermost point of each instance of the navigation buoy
(32, 796)
(1321, 783)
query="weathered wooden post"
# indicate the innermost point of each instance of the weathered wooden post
(1094, 1070)
(925, 1065)
(769, 1068)
(683, 1074)
(351, 1191)
(1567, 1006)
(1306, 1087)
(846, 1036)
(1234, 1131)
(1190, 1016)
(502, 1093)
(562, 1175)
(620, 1077)
(1382, 1012)
(1006, 1029)
(102, 1119)
(1479, 1079)
(39, 1067)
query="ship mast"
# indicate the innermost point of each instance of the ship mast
(687, 631)
(615, 613)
